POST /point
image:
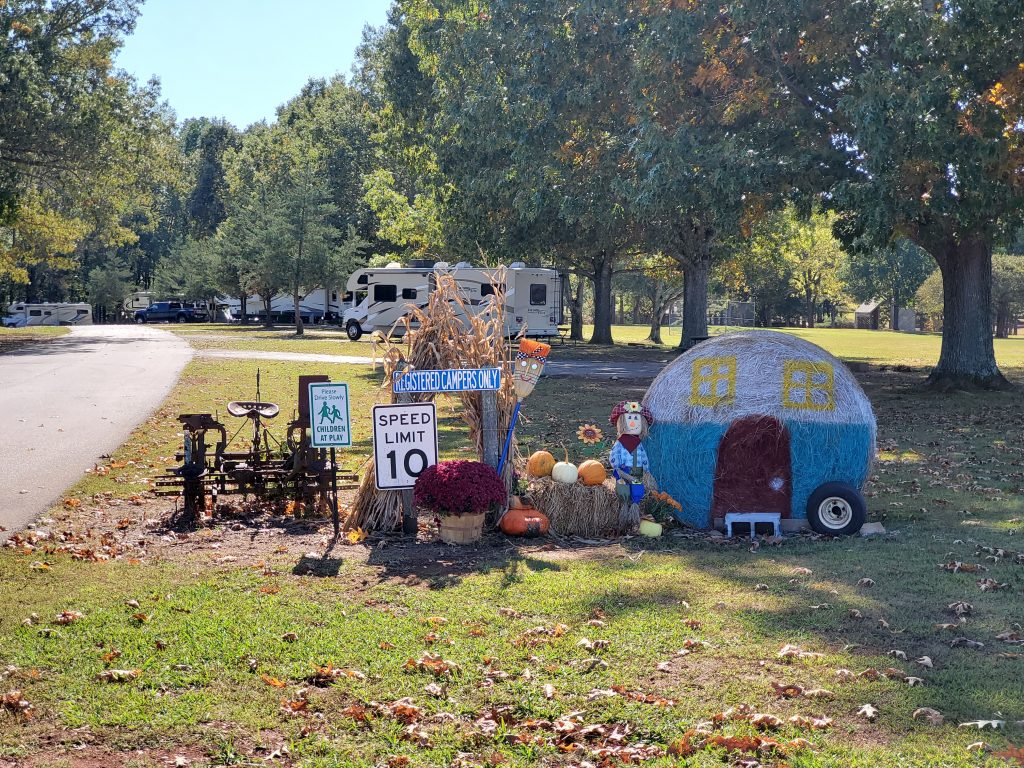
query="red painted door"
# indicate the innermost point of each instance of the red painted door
(753, 470)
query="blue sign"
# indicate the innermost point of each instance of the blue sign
(455, 380)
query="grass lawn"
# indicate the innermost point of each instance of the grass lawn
(540, 640)
(913, 350)
(12, 338)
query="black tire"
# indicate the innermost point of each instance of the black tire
(836, 509)
(182, 318)
(353, 330)
(140, 319)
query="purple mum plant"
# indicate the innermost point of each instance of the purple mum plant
(460, 488)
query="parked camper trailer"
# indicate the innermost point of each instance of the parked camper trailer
(381, 296)
(322, 305)
(21, 315)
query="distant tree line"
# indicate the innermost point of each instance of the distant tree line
(654, 151)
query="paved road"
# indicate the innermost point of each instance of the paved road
(553, 368)
(66, 402)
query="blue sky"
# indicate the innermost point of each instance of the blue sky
(241, 59)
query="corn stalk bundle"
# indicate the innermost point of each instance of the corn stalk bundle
(445, 334)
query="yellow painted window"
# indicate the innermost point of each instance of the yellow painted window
(808, 385)
(713, 381)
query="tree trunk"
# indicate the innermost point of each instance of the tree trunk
(1002, 318)
(603, 304)
(967, 359)
(298, 314)
(657, 310)
(245, 313)
(576, 311)
(894, 321)
(695, 303)
(267, 320)
(810, 309)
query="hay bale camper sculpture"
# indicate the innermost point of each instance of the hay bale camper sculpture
(761, 421)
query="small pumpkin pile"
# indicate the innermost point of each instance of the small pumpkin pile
(543, 464)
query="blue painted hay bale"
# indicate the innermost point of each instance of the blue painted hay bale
(757, 377)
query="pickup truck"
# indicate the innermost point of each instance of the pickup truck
(171, 312)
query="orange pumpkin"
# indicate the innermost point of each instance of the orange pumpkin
(592, 472)
(525, 521)
(540, 464)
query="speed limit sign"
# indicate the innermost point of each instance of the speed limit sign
(404, 443)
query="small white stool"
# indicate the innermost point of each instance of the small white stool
(753, 518)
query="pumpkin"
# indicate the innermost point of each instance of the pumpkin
(592, 472)
(524, 521)
(540, 464)
(565, 472)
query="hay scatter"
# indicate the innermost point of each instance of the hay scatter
(445, 334)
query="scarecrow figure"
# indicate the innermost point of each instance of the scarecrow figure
(628, 459)
(529, 365)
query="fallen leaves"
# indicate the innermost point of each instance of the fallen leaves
(273, 682)
(326, 674)
(790, 652)
(432, 663)
(931, 716)
(118, 675)
(16, 703)
(866, 583)
(868, 712)
(991, 585)
(355, 536)
(981, 725)
(68, 617)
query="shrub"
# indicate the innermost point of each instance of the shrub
(459, 488)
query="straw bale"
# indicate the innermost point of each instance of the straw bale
(751, 374)
(574, 509)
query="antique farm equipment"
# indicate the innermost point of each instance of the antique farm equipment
(268, 469)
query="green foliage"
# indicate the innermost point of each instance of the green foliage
(59, 93)
(891, 274)
(109, 285)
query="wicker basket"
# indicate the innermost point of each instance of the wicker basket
(462, 529)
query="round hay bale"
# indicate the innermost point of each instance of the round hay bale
(755, 421)
(574, 509)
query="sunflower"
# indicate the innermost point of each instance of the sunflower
(590, 434)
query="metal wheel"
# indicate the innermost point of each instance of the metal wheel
(353, 330)
(836, 509)
(835, 513)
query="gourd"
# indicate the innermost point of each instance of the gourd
(565, 471)
(525, 521)
(592, 472)
(540, 464)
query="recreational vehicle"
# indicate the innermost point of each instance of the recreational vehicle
(322, 305)
(20, 315)
(382, 296)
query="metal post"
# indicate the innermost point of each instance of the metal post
(334, 493)
(409, 521)
(489, 408)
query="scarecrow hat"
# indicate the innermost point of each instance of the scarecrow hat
(536, 349)
(631, 406)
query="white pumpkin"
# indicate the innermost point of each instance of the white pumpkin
(565, 472)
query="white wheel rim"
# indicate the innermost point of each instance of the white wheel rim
(835, 513)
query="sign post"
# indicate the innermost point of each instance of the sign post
(390, 458)
(404, 443)
(487, 381)
(330, 426)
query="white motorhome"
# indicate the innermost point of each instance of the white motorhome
(381, 296)
(21, 315)
(317, 306)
